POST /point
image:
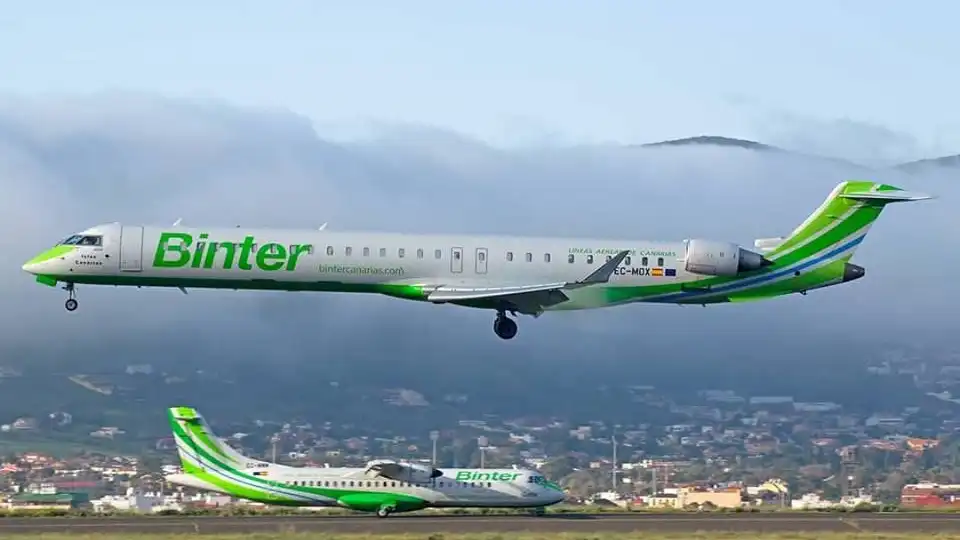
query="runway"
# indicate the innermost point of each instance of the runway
(555, 523)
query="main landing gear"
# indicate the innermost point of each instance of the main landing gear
(503, 326)
(71, 303)
(384, 511)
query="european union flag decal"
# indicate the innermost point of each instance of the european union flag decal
(670, 272)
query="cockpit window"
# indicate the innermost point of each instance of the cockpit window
(91, 241)
(71, 240)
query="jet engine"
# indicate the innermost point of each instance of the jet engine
(404, 472)
(713, 258)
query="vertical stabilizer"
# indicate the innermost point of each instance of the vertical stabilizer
(198, 446)
(841, 222)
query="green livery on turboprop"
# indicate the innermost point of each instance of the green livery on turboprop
(507, 274)
(383, 486)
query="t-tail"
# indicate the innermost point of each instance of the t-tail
(817, 252)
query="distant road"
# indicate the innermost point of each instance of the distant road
(419, 524)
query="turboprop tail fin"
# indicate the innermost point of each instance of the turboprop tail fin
(197, 444)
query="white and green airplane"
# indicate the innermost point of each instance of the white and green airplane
(382, 486)
(515, 274)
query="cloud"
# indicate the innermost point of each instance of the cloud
(70, 163)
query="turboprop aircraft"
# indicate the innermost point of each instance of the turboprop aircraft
(515, 274)
(382, 486)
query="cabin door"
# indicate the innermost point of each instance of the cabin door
(131, 249)
(456, 260)
(481, 262)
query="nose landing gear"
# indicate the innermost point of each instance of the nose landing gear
(504, 327)
(71, 303)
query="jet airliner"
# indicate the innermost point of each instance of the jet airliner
(383, 486)
(506, 274)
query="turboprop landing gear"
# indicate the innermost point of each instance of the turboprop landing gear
(71, 303)
(504, 327)
(384, 511)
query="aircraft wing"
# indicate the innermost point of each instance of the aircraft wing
(530, 299)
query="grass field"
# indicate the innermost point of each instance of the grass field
(505, 536)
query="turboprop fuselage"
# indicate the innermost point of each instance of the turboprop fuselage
(383, 486)
(529, 275)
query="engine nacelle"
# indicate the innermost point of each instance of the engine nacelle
(404, 472)
(713, 258)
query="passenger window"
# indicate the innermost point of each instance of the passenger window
(456, 255)
(609, 258)
(366, 252)
(254, 247)
(383, 252)
(546, 257)
(509, 256)
(589, 259)
(441, 484)
(529, 257)
(626, 260)
(482, 256)
(347, 251)
(326, 483)
(438, 254)
(419, 253)
(571, 258)
(400, 252)
(329, 250)
(659, 261)
(644, 261)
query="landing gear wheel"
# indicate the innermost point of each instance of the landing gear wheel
(539, 512)
(504, 327)
(383, 512)
(71, 303)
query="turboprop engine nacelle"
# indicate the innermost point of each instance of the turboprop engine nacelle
(404, 472)
(714, 258)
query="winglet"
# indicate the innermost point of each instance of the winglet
(602, 274)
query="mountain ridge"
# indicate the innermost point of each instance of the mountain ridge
(950, 161)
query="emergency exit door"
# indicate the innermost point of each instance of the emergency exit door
(456, 260)
(481, 262)
(131, 249)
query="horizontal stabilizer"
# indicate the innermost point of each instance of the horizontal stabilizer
(888, 196)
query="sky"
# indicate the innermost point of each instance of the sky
(471, 117)
(522, 72)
